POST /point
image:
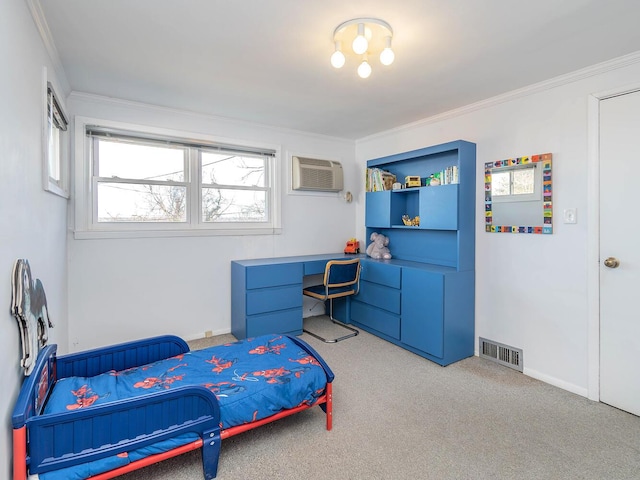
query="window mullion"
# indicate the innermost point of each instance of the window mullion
(140, 182)
(251, 188)
(93, 175)
(195, 187)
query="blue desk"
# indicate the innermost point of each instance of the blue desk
(425, 308)
(266, 293)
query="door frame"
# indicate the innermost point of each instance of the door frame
(593, 235)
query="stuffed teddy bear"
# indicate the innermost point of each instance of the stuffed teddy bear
(378, 247)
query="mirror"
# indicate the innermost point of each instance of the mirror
(517, 195)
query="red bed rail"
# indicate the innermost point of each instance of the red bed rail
(229, 432)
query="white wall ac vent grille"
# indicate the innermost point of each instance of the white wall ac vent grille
(500, 353)
(315, 174)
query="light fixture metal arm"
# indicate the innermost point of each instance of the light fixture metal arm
(365, 20)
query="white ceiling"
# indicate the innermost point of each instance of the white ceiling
(267, 61)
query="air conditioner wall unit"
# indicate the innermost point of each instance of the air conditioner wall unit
(316, 175)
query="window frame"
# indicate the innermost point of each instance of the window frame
(50, 182)
(86, 208)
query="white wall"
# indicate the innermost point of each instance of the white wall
(32, 221)
(123, 289)
(531, 290)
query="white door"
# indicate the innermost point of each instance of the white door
(620, 242)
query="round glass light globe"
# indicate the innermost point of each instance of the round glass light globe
(360, 44)
(364, 70)
(337, 59)
(387, 56)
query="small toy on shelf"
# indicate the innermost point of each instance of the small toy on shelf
(388, 180)
(411, 222)
(412, 181)
(433, 180)
(353, 246)
(378, 247)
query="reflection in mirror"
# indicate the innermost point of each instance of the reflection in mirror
(515, 182)
(518, 195)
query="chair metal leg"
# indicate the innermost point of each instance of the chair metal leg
(353, 333)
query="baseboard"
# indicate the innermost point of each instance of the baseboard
(570, 387)
(198, 336)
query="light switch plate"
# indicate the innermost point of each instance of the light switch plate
(570, 215)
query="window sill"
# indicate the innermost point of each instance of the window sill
(117, 234)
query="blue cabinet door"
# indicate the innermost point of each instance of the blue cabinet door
(378, 209)
(439, 207)
(422, 325)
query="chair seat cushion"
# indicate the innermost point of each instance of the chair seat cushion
(318, 291)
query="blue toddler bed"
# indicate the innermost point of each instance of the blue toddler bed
(102, 413)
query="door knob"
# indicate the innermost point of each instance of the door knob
(612, 262)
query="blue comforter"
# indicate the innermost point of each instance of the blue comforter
(252, 379)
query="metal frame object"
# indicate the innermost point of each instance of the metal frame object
(341, 279)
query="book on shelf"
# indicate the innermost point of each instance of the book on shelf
(450, 175)
(378, 180)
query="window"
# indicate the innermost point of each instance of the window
(233, 188)
(519, 184)
(55, 166)
(146, 182)
(139, 181)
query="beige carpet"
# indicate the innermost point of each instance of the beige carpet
(399, 416)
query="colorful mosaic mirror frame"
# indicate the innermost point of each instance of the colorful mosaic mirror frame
(547, 204)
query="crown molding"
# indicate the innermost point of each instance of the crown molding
(597, 69)
(45, 33)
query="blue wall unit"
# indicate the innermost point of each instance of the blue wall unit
(422, 299)
(428, 306)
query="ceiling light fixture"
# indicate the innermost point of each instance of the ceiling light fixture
(366, 36)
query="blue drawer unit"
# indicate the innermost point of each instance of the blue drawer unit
(266, 293)
(425, 304)
(380, 272)
(379, 296)
(376, 307)
(272, 275)
(266, 298)
(280, 321)
(375, 320)
(272, 299)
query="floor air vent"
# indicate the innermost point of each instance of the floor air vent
(502, 354)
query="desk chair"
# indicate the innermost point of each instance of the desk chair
(341, 279)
